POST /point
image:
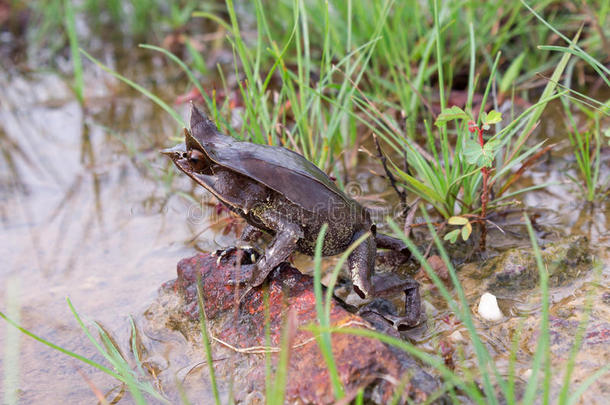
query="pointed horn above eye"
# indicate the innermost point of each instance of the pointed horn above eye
(201, 126)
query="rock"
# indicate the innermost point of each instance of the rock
(439, 267)
(488, 308)
(238, 330)
(516, 268)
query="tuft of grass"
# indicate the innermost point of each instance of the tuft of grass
(121, 370)
(587, 148)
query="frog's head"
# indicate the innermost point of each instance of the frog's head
(193, 155)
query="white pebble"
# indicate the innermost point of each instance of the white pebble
(488, 308)
(457, 337)
(527, 374)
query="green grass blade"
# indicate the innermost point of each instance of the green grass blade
(203, 325)
(77, 63)
(542, 354)
(324, 340)
(10, 381)
(139, 88)
(582, 388)
(59, 348)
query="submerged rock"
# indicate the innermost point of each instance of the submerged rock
(516, 268)
(238, 329)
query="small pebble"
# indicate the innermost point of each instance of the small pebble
(527, 374)
(456, 337)
(488, 308)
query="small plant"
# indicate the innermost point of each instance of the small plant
(458, 179)
(587, 146)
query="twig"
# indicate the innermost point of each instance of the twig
(401, 193)
(411, 217)
(532, 159)
(273, 349)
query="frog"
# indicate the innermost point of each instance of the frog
(279, 192)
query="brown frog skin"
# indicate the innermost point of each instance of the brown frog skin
(280, 192)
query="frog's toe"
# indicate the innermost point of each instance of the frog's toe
(224, 254)
(249, 255)
(244, 255)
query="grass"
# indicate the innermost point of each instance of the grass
(587, 149)
(10, 382)
(76, 59)
(489, 385)
(134, 379)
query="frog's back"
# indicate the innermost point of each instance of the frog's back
(278, 168)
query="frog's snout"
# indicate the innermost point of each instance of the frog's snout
(176, 152)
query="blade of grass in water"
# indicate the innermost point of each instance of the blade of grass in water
(576, 346)
(123, 373)
(203, 324)
(139, 88)
(59, 348)
(10, 383)
(76, 59)
(281, 373)
(542, 354)
(112, 355)
(182, 66)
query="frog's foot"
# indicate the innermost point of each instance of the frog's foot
(389, 284)
(382, 309)
(244, 254)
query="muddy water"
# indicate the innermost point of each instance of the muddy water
(86, 213)
(90, 211)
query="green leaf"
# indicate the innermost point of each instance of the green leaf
(492, 117)
(481, 157)
(466, 231)
(452, 236)
(450, 114)
(456, 220)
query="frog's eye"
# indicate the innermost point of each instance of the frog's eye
(196, 159)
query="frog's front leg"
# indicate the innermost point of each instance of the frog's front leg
(279, 250)
(284, 243)
(250, 234)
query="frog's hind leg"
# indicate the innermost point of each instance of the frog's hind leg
(361, 263)
(388, 242)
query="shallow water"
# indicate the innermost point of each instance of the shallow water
(88, 211)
